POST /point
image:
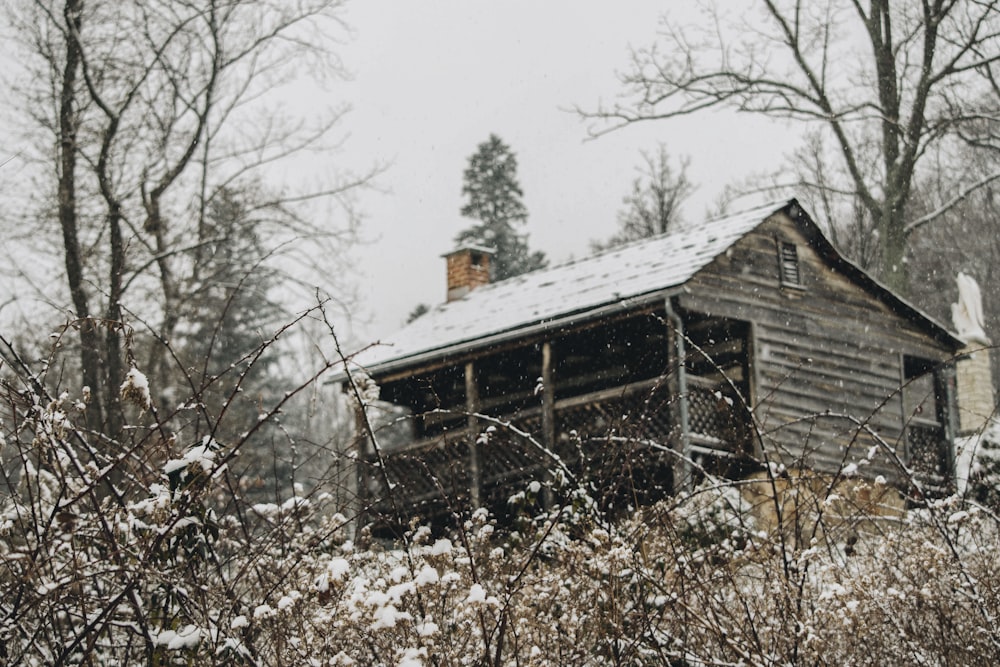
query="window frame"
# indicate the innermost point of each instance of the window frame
(789, 264)
(913, 369)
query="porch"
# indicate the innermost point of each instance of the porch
(609, 411)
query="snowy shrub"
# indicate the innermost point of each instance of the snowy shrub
(151, 556)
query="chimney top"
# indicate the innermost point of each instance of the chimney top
(471, 248)
(468, 268)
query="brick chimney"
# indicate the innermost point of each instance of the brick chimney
(468, 268)
(975, 388)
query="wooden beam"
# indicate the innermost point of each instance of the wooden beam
(683, 471)
(362, 466)
(548, 398)
(548, 408)
(472, 407)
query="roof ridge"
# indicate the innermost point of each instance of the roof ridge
(769, 206)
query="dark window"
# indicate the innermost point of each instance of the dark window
(924, 418)
(920, 392)
(788, 263)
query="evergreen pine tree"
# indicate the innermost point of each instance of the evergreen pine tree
(230, 311)
(493, 197)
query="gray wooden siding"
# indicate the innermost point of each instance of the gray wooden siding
(829, 348)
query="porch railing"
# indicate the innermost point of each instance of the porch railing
(597, 435)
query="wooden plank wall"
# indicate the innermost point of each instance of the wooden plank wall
(828, 348)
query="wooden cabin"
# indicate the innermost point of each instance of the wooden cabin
(749, 341)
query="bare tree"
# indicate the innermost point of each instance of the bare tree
(887, 81)
(850, 223)
(150, 110)
(654, 204)
(965, 238)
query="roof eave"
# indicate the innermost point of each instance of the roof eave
(514, 333)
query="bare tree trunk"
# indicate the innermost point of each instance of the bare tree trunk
(170, 292)
(90, 361)
(115, 326)
(891, 229)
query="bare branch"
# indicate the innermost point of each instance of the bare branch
(916, 224)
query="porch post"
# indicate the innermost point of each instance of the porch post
(948, 382)
(682, 464)
(548, 410)
(362, 467)
(548, 398)
(472, 408)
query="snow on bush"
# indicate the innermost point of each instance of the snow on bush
(198, 458)
(158, 570)
(135, 388)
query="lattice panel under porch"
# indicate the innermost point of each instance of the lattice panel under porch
(505, 455)
(638, 415)
(422, 473)
(649, 415)
(710, 414)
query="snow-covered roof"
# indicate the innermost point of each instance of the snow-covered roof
(622, 276)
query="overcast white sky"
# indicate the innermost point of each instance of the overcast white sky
(433, 79)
